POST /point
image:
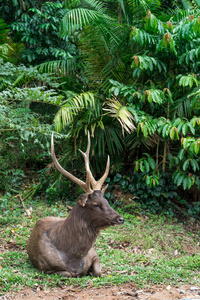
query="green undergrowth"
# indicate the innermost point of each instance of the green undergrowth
(145, 250)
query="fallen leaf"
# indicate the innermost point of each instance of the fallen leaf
(91, 284)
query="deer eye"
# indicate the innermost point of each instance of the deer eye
(96, 205)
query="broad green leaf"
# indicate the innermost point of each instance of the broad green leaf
(166, 130)
(151, 162)
(185, 183)
(180, 180)
(174, 133)
(191, 127)
(185, 129)
(117, 177)
(180, 126)
(146, 164)
(142, 167)
(116, 91)
(176, 176)
(197, 147)
(194, 164)
(177, 122)
(137, 165)
(186, 164)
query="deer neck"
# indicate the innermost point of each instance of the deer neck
(75, 234)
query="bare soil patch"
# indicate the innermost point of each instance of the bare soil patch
(125, 291)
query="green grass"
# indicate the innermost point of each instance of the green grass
(145, 251)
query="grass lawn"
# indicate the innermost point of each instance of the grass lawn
(145, 250)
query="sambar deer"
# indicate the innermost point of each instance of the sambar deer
(64, 245)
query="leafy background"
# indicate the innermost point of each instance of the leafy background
(127, 71)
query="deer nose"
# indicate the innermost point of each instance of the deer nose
(120, 220)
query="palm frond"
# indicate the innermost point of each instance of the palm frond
(72, 107)
(121, 113)
(105, 57)
(80, 17)
(59, 67)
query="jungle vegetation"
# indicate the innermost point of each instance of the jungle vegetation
(127, 71)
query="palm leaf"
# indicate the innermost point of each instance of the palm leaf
(70, 109)
(121, 113)
(105, 57)
(59, 67)
(78, 18)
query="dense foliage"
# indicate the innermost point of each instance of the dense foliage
(39, 31)
(127, 71)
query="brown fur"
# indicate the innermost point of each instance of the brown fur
(64, 245)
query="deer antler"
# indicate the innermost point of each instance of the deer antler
(83, 185)
(96, 185)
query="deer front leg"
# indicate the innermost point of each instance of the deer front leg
(94, 263)
(96, 268)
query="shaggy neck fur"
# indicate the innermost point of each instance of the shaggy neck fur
(74, 234)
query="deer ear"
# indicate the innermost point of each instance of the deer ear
(82, 199)
(104, 189)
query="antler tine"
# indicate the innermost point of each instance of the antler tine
(88, 146)
(89, 176)
(96, 185)
(82, 184)
(100, 182)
